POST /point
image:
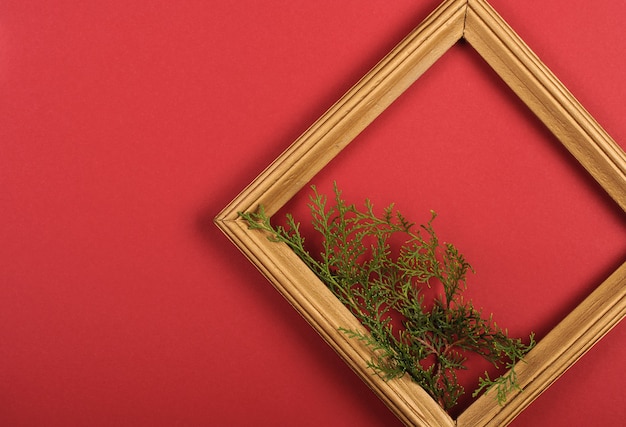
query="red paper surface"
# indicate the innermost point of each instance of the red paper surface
(125, 128)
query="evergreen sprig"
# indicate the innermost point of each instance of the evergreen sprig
(384, 288)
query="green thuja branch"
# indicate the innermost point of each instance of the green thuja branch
(383, 286)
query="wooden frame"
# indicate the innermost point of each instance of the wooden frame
(478, 23)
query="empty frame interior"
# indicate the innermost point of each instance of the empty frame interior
(478, 23)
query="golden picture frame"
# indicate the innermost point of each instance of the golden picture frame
(482, 27)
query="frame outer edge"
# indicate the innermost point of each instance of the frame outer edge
(507, 54)
(325, 313)
(343, 121)
(604, 308)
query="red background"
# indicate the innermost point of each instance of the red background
(126, 127)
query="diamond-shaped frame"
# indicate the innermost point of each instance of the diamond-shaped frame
(479, 24)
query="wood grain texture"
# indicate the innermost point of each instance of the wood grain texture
(508, 55)
(547, 97)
